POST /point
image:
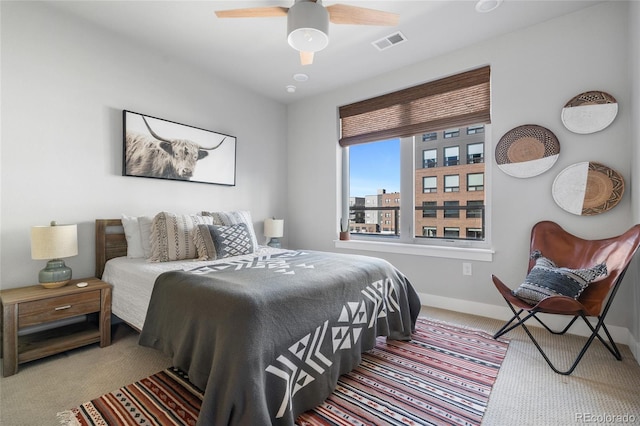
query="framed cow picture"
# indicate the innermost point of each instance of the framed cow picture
(157, 148)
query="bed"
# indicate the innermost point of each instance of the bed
(266, 335)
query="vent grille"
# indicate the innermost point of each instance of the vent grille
(389, 41)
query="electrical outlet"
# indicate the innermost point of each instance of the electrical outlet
(466, 268)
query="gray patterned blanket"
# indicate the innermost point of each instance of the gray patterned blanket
(267, 338)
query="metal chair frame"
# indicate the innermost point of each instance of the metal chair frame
(562, 305)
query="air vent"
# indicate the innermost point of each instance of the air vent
(389, 41)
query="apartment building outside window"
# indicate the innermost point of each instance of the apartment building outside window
(432, 136)
(452, 183)
(478, 128)
(429, 184)
(475, 181)
(451, 133)
(433, 211)
(428, 209)
(451, 232)
(452, 156)
(475, 152)
(429, 158)
(453, 211)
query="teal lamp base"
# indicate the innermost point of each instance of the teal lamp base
(274, 242)
(55, 274)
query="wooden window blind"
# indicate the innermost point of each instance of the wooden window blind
(454, 101)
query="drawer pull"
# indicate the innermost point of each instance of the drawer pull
(62, 308)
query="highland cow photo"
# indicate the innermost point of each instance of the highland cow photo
(162, 149)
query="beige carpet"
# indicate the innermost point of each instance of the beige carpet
(600, 391)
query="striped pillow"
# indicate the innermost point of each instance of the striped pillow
(547, 279)
(172, 236)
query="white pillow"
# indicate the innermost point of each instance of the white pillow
(132, 234)
(145, 234)
(137, 231)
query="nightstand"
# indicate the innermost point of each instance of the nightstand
(26, 307)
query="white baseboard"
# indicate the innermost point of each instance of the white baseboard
(619, 334)
(635, 347)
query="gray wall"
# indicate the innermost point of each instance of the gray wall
(534, 72)
(64, 86)
(634, 72)
(65, 82)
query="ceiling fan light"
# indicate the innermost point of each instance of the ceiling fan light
(308, 26)
(484, 6)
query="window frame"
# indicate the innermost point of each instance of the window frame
(455, 188)
(445, 160)
(434, 188)
(378, 119)
(469, 156)
(475, 186)
(407, 242)
(428, 163)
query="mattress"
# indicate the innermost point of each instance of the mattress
(133, 280)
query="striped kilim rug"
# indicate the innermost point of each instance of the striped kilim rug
(443, 376)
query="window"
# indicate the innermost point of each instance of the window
(474, 233)
(429, 212)
(452, 212)
(447, 106)
(475, 182)
(452, 156)
(429, 136)
(429, 231)
(452, 183)
(475, 153)
(451, 232)
(451, 133)
(476, 212)
(429, 184)
(477, 128)
(429, 158)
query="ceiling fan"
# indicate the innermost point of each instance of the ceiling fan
(308, 22)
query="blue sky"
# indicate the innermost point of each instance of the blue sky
(374, 166)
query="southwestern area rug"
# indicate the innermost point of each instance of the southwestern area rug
(442, 377)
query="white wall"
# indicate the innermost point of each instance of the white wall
(64, 86)
(634, 72)
(535, 71)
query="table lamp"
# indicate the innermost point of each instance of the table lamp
(54, 242)
(274, 230)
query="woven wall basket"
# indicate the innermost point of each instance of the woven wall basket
(589, 112)
(588, 188)
(527, 151)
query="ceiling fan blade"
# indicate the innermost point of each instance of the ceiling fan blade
(253, 12)
(343, 14)
(306, 58)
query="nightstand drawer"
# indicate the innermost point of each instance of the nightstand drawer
(55, 308)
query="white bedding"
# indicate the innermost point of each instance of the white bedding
(133, 281)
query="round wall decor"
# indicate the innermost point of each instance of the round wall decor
(589, 112)
(527, 151)
(588, 188)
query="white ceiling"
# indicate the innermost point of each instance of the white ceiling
(254, 51)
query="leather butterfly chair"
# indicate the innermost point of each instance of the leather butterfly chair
(570, 251)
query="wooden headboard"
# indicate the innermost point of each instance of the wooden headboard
(110, 242)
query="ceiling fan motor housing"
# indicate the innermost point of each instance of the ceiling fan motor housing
(308, 26)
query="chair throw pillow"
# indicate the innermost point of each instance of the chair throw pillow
(547, 279)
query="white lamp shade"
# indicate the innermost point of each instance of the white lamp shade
(54, 242)
(273, 228)
(308, 26)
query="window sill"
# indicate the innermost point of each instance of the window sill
(464, 253)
